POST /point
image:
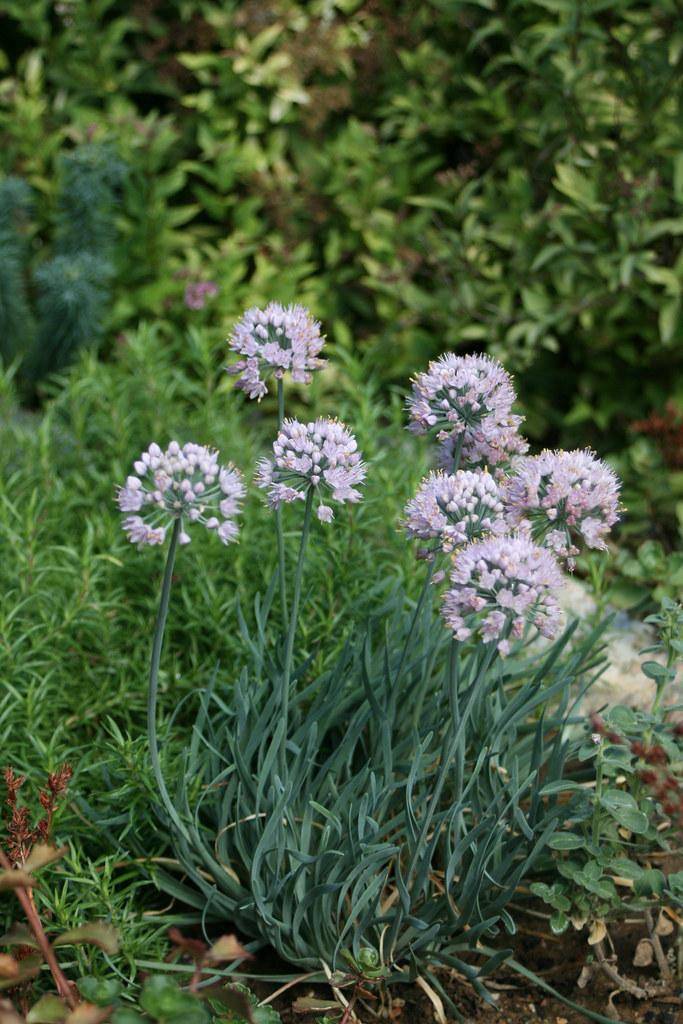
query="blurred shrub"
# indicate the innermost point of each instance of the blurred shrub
(463, 174)
(72, 286)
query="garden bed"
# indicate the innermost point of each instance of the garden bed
(557, 960)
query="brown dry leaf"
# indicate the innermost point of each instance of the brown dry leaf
(228, 947)
(29, 968)
(9, 968)
(87, 1013)
(95, 933)
(16, 879)
(664, 924)
(8, 1015)
(587, 972)
(434, 998)
(597, 933)
(644, 954)
(42, 854)
(310, 1004)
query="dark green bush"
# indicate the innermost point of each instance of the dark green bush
(72, 286)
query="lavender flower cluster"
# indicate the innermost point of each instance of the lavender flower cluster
(539, 509)
(466, 401)
(322, 455)
(500, 585)
(273, 341)
(181, 483)
(564, 499)
(318, 458)
(504, 519)
(455, 509)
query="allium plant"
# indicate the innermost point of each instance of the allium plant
(376, 819)
(272, 342)
(494, 444)
(317, 459)
(453, 509)
(566, 498)
(500, 586)
(183, 485)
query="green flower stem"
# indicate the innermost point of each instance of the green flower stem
(289, 650)
(278, 516)
(595, 830)
(453, 737)
(457, 454)
(153, 692)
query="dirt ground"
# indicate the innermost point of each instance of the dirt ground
(558, 961)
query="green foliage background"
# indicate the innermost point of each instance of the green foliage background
(426, 176)
(492, 175)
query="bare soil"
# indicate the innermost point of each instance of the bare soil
(558, 961)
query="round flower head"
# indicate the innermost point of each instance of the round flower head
(181, 483)
(460, 394)
(322, 455)
(494, 443)
(564, 498)
(273, 341)
(452, 510)
(498, 586)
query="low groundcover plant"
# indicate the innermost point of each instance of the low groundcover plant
(372, 823)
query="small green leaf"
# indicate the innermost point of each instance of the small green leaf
(101, 991)
(668, 319)
(559, 923)
(678, 176)
(566, 841)
(97, 933)
(125, 1016)
(650, 883)
(48, 1010)
(634, 821)
(559, 787)
(653, 670)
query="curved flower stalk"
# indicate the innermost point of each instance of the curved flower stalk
(173, 488)
(320, 458)
(452, 510)
(272, 342)
(183, 484)
(565, 499)
(309, 460)
(499, 586)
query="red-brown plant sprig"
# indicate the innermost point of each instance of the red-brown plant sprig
(21, 836)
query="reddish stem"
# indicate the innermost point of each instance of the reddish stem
(26, 899)
(348, 1009)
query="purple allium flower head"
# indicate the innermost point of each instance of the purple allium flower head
(494, 443)
(185, 483)
(198, 292)
(453, 510)
(459, 394)
(498, 586)
(321, 455)
(274, 341)
(564, 499)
